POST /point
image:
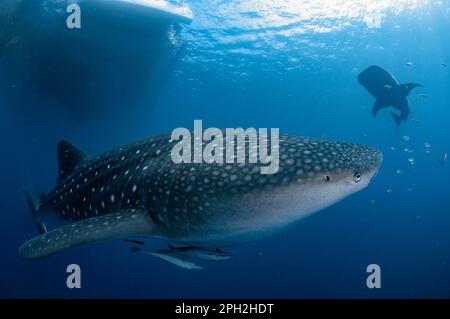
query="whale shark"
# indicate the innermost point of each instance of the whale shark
(138, 190)
(388, 92)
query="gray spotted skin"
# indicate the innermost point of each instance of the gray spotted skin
(216, 202)
(213, 204)
(108, 183)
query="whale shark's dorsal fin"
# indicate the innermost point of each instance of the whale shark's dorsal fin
(408, 87)
(68, 158)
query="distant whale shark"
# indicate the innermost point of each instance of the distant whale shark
(387, 91)
(137, 190)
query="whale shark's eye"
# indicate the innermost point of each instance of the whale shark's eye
(357, 177)
(327, 178)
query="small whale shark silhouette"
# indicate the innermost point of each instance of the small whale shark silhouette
(387, 91)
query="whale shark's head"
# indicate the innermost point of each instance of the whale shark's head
(336, 167)
(313, 174)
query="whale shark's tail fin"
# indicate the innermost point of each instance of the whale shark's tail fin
(408, 87)
(35, 204)
(397, 119)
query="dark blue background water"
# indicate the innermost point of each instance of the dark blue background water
(286, 64)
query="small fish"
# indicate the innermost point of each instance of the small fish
(443, 159)
(372, 202)
(444, 65)
(423, 95)
(409, 64)
(259, 254)
(416, 219)
(412, 160)
(171, 258)
(134, 241)
(388, 87)
(200, 253)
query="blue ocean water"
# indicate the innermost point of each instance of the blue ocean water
(292, 65)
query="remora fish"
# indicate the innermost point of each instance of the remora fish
(171, 258)
(137, 190)
(201, 253)
(133, 241)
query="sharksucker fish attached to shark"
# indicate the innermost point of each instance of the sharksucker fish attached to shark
(137, 190)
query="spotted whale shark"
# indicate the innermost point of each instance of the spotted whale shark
(137, 190)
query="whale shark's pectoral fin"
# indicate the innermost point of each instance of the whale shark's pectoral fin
(408, 87)
(378, 106)
(125, 223)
